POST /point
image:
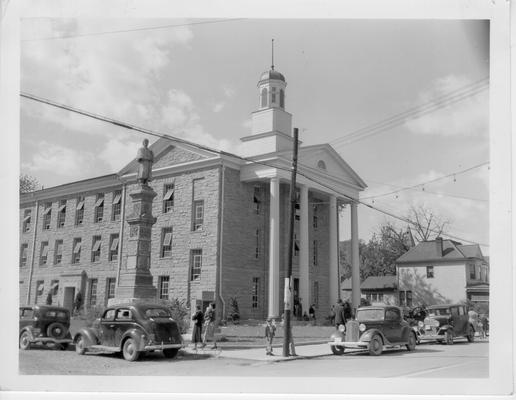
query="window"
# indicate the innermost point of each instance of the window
(109, 315)
(166, 242)
(58, 252)
(61, 214)
(257, 249)
(316, 293)
(472, 272)
(163, 282)
(461, 311)
(273, 95)
(430, 271)
(168, 198)
(296, 245)
(92, 300)
(99, 208)
(40, 286)
(405, 298)
(76, 251)
(392, 314)
(315, 221)
(54, 287)
(79, 211)
(26, 220)
(198, 219)
(113, 247)
(282, 98)
(321, 164)
(123, 314)
(23, 254)
(315, 251)
(95, 248)
(254, 292)
(43, 253)
(110, 286)
(195, 264)
(297, 206)
(47, 216)
(257, 199)
(264, 97)
(116, 205)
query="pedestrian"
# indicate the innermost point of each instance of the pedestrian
(209, 326)
(77, 304)
(305, 317)
(198, 319)
(270, 332)
(311, 313)
(347, 311)
(49, 299)
(485, 324)
(340, 318)
(332, 315)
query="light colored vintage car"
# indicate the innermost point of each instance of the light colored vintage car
(447, 322)
(376, 328)
(131, 329)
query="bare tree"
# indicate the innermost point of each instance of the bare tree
(426, 225)
(28, 183)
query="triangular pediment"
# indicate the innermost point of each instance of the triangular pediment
(169, 152)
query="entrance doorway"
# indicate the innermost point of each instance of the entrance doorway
(69, 296)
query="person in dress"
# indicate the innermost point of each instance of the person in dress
(198, 319)
(209, 326)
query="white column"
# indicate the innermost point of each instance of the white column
(334, 294)
(355, 264)
(304, 277)
(274, 248)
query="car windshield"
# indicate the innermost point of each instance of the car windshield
(55, 314)
(374, 314)
(156, 312)
(438, 311)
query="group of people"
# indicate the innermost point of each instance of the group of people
(340, 313)
(204, 327)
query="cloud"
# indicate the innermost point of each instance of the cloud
(218, 107)
(468, 117)
(118, 153)
(229, 92)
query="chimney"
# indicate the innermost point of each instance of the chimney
(439, 244)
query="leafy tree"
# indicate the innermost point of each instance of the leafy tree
(28, 183)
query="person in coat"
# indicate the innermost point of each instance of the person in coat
(270, 332)
(198, 319)
(340, 318)
(209, 326)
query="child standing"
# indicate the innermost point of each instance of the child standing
(270, 332)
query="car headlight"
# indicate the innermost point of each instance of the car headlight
(342, 328)
(420, 324)
(362, 327)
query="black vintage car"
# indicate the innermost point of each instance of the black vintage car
(376, 328)
(446, 322)
(131, 329)
(44, 325)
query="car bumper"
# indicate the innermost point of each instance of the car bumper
(50, 340)
(352, 345)
(431, 337)
(162, 346)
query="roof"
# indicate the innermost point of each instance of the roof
(345, 284)
(380, 282)
(272, 74)
(431, 251)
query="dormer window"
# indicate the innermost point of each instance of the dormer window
(321, 164)
(264, 97)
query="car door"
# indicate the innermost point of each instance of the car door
(392, 329)
(26, 317)
(124, 320)
(462, 320)
(455, 320)
(107, 328)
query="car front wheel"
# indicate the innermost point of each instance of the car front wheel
(337, 350)
(375, 346)
(471, 334)
(448, 337)
(79, 345)
(130, 351)
(170, 353)
(411, 345)
(25, 341)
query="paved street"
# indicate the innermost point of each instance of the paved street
(462, 360)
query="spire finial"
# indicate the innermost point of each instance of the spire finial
(272, 45)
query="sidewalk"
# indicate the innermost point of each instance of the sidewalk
(257, 353)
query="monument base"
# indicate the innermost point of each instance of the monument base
(131, 300)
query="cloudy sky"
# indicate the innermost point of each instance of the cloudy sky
(196, 79)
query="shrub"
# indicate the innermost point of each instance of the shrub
(179, 311)
(234, 313)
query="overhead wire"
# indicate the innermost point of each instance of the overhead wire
(220, 152)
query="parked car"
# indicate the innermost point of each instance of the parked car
(44, 325)
(376, 328)
(131, 329)
(446, 322)
(415, 317)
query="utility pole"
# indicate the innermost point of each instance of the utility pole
(288, 279)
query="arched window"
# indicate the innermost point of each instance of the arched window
(273, 95)
(264, 97)
(282, 98)
(321, 164)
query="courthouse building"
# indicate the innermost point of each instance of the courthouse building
(221, 229)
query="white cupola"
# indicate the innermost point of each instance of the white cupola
(271, 124)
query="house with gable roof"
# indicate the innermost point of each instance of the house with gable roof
(443, 271)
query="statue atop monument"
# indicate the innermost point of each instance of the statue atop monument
(145, 158)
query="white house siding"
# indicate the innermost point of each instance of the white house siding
(447, 286)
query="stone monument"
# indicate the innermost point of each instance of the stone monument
(135, 278)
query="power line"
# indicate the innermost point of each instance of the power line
(416, 112)
(168, 137)
(427, 182)
(78, 35)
